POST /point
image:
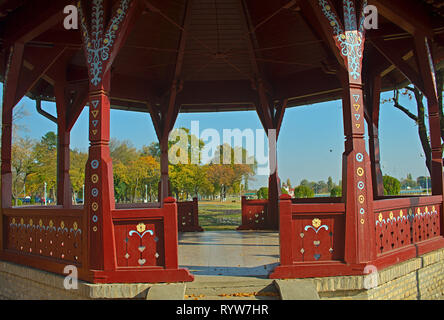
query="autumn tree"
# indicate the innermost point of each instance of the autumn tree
(22, 165)
(45, 165)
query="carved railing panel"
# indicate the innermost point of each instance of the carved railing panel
(53, 235)
(318, 237)
(139, 244)
(254, 214)
(398, 228)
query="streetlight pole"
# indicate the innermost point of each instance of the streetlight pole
(146, 193)
(44, 193)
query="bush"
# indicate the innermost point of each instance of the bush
(262, 193)
(303, 192)
(392, 186)
(336, 191)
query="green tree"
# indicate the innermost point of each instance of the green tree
(330, 184)
(22, 165)
(262, 193)
(392, 186)
(303, 191)
(45, 165)
(77, 172)
(336, 191)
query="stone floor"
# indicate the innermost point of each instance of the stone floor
(229, 253)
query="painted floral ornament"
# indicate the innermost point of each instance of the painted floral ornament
(316, 223)
(141, 227)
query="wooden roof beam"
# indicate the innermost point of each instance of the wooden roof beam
(34, 18)
(398, 61)
(169, 114)
(252, 44)
(407, 14)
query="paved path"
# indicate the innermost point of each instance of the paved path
(229, 253)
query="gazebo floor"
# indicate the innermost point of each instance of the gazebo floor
(229, 253)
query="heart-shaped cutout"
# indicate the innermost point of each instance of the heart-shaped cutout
(142, 261)
(256, 215)
(317, 256)
(142, 248)
(317, 243)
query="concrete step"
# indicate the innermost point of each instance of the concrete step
(231, 288)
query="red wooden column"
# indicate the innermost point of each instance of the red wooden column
(346, 38)
(373, 94)
(101, 46)
(164, 184)
(64, 196)
(426, 67)
(12, 75)
(271, 119)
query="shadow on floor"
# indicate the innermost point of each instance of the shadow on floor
(262, 271)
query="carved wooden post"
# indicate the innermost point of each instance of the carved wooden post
(164, 190)
(426, 66)
(64, 196)
(101, 46)
(271, 121)
(347, 42)
(274, 185)
(12, 74)
(373, 99)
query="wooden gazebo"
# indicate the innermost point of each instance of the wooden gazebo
(165, 57)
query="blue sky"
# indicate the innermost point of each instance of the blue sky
(310, 144)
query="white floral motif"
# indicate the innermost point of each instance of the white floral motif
(98, 46)
(350, 40)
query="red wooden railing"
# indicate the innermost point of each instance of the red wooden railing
(254, 215)
(312, 235)
(406, 228)
(188, 216)
(50, 238)
(311, 238)
(47, 238)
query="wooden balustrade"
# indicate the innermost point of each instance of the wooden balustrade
(254, 215)
(47, 238)
(406, 228)
(188, 216)
(312, 235)
(50, 238)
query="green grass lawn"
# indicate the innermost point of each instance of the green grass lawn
(216, 215)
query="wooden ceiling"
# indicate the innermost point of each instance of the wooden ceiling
(217, 48)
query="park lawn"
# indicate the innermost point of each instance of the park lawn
(216, 215)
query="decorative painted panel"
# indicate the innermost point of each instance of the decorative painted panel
(188, 216)
(139, 244)
(349, 36)
(54, 237)
(99, 42)
(317, 238)
(254, 214)
(399, 228)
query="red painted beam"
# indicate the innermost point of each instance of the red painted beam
(34, 18)
(407, 14)
(41, 60)
(392, 55)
